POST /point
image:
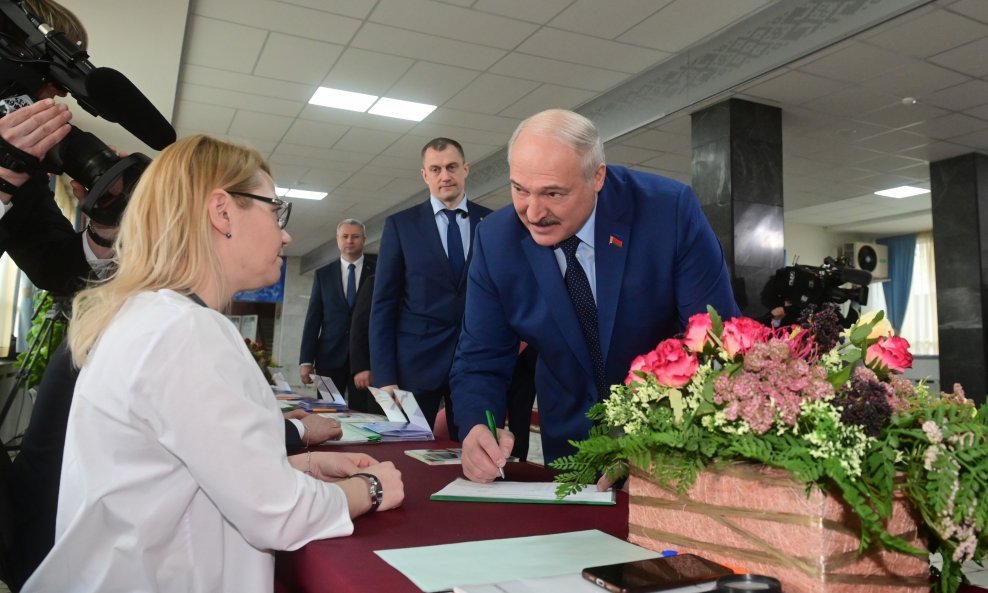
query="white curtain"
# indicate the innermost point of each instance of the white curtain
(920, 324)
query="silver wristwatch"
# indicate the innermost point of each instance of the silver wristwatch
(376, 490)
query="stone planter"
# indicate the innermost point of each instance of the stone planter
(758, 520)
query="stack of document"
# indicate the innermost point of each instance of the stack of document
(355, 434)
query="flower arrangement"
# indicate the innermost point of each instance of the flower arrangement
(824, 403)
(262, 357)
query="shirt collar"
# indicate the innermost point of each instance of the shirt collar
(437, 205)
(358, 263)
(586, 232)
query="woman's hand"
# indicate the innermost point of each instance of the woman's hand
(331, 467)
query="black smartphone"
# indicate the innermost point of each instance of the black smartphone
(656, 574)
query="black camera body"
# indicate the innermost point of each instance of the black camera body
(805, 286)
(33, 54)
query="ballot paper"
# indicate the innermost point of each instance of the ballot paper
(438, 568)
(405, 419)
(461, 489)
(328, 390)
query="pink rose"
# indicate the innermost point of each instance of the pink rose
(891, 352)
(643, 363)
(741, 334)
(671, 364)
(696, 332)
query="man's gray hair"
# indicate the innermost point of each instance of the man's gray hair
(354, 222)
(570, 128)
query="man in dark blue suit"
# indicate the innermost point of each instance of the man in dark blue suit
(419, 291)
(326, 333)
(594, 266)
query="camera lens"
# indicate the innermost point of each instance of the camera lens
(739, 583)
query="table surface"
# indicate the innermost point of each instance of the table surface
(349, 565)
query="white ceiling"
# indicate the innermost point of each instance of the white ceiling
(245, 69)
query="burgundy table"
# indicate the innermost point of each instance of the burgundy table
(349, 565)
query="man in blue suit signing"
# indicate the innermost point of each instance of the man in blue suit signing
(419, 291)
(326, 332)
(593, 266)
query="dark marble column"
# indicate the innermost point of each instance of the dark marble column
(737, 174)
(960, 240)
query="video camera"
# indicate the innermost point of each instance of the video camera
(45, 55)
(804, 286)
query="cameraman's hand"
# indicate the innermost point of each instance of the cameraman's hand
(35, 129)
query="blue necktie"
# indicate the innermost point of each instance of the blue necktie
(454, 244)
(351, 285)
(586, 309)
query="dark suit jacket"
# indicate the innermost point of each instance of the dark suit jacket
(326, 333)
(418, 305)
(41, 241)
(360, 357)
(657, 263)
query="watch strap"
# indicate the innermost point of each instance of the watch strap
(7, 187)
(17, 160)
(376, 490)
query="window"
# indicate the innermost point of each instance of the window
(920, 324)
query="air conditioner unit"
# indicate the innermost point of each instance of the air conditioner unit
(869, 257)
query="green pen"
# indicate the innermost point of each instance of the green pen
(493, 427)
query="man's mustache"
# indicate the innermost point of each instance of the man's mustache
(545, 222)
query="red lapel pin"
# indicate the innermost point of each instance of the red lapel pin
(616, 241)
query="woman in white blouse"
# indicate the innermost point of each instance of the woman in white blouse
(175, 476)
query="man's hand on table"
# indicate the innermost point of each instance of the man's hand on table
(483, 456)
(318, 429)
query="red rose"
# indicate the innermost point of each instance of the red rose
(891, 352)
(671, 364)
(741, 334)
(697, 336)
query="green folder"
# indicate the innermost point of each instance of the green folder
(463, 490)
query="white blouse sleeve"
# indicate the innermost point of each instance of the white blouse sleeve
(207, 401)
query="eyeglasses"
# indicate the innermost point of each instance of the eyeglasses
(284, 208)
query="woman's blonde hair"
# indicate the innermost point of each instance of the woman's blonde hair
(165, 238)
(60, 19)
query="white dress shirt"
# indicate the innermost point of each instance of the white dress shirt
(175, 477)
(442, 222)
(585, 252)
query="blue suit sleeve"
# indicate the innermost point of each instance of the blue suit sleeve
(701, 269)
(389, 282)
(312, 325)
(487, 350)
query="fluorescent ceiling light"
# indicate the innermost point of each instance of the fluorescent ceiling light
(402, 109)
(280, 191)
(327, 97)
(903, 191)
(305, 194)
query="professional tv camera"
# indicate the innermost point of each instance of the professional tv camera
(32, 54)
(799, 287)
